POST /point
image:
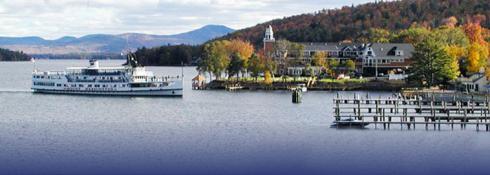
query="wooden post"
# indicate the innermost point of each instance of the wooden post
(432, 111)
(487, 108)
(359, 109)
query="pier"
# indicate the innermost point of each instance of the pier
(409, 112)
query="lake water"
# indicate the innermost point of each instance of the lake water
(210, 132)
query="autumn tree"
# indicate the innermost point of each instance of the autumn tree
(450, 22)
(378, 35)
(413, 35)
(243, 50)
(216, 57)
(269, 67)
(333, 65)
(478, 50)
(350, 66)
(320, 60)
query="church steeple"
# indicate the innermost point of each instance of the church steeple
(269, 40)
(269, 34)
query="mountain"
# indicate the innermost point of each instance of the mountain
(103, 43)
(353, 22)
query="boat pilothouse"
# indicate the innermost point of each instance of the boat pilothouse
(130, 79)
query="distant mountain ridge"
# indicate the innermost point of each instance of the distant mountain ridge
(105, 43)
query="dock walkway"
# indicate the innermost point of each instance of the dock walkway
(409, 112)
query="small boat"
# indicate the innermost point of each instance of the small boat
(349, 123)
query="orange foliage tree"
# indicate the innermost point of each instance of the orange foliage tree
(478, 51)
(242, 49)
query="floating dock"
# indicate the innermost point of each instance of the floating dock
(408, 112)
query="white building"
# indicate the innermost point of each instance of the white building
(475, 83)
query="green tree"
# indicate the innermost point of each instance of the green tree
(333, 64)
(414, 34)
(350, 66)
(255, 66)
(235, 65)
(432, 64)
(216, 57)
(378, 35)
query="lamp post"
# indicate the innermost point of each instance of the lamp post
(376, 67)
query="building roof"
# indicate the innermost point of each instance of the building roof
(380, 49)
(472, 79)
(388, 49)
(326, 46)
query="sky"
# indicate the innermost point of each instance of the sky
(52, 19)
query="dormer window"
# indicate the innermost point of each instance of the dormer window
(399, 53)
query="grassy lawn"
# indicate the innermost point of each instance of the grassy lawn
(328, 80)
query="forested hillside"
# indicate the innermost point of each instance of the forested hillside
(8, 55)
(353, 23)
(168, 55)
(371, 22)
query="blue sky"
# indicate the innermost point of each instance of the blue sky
(52, 19)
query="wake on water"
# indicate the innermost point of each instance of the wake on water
(15, 91)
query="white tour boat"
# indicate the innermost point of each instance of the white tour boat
(131, 79)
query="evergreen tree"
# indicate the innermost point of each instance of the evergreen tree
(432, 64)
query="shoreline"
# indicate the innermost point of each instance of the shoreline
(374, 85)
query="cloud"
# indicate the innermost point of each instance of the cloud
(54, 18)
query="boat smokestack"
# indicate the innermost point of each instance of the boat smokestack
(94, 63)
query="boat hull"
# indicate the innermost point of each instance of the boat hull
(146, 93)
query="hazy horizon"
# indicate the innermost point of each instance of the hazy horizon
(55, 19)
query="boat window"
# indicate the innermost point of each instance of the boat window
(80, 85)
(89, 85)
(97, 85)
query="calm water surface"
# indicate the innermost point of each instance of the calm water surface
(209, 132)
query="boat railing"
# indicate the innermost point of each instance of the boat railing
(155, 79)
(50, 73)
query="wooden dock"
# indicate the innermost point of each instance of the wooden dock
(409, 112)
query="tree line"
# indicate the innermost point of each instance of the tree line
(8, 55)
(174, 55)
